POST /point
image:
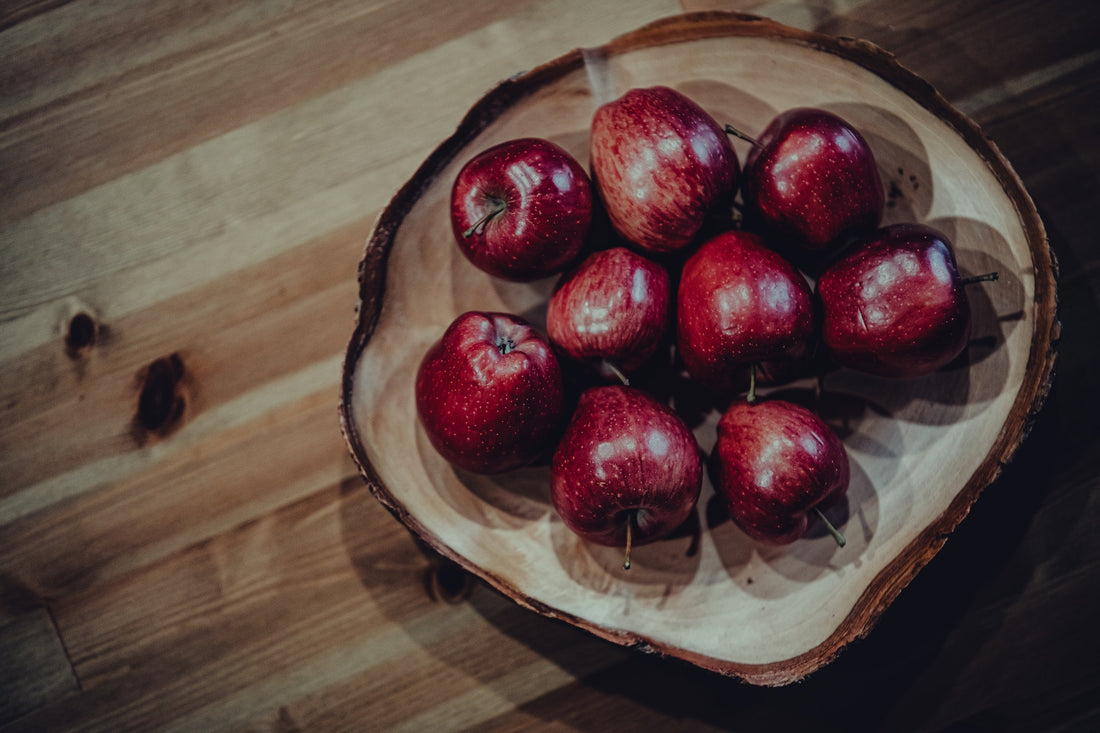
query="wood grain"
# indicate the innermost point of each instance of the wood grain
(199, 180)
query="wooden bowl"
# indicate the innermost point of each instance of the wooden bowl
(921, 450)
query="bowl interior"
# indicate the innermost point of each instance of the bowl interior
(920, 449)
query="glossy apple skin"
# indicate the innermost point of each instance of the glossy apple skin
(773, 462)
(740, 303)
(615, 307)
(623, 452)
(484, 410)
(547, 199)
(811, 182)
(663, 167)
(894, 305)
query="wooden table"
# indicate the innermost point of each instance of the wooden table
(185, 544)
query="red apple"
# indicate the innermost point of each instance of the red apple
(894, 305)
(811, 181)
(489, 393)
(774, 464)
(740, 303)
(612, 311)
(626, 471)
(521, 210)
(663, 167)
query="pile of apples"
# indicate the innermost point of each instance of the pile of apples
(728, 291)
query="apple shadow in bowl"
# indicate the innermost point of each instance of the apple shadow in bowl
(502, 501)
(523, 493)
(527, 300)
(657, 569)
(996, 307)
(901, 157)
(772, 572)
(729, 105)
(980, 374)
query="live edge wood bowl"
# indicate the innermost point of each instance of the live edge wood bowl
(921, 450)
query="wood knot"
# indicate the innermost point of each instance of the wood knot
(81, 335)
(162, 399)
(447, 581)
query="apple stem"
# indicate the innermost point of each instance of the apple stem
(617, 372)
(629, 533)
(505, 345)
(751, 396)
(840, 541)
(986, 278)
(498, 207)
(731, 130)
(737, 217)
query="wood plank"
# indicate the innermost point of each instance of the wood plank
(170, 91)
(454, 684)
(675, 703)
(1042, 128)
(20, 11)
(967, 685)
(202, 490)
(36, 670)
(957, 47)
(147, 646)
(263, 187)
(323, 595)
(104, 113)
(232, 336)
(1031, 543)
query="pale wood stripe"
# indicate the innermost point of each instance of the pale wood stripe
(981, 100)
(224, 480)
(100, 414)
(132, 96)
(316, 380)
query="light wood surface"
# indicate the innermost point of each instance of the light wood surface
(185, 543)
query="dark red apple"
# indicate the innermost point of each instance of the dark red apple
(740, 303)
(490, 393)
(521, 210)
(894, 305)
(626, 471)
(663, 167)
(811, 182)
(774, 464)
(613, 311)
